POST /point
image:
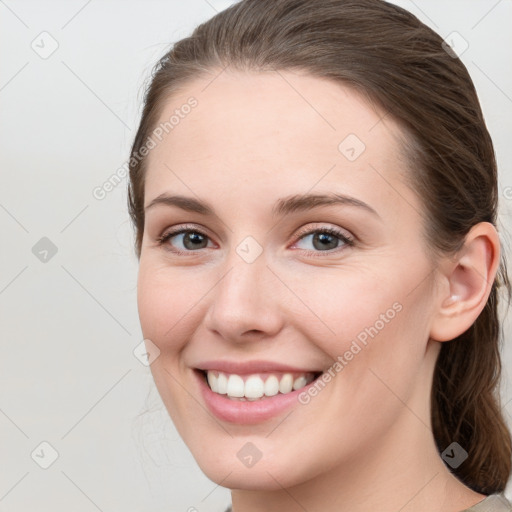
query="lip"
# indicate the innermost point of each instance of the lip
(248, 367)
(247, 413)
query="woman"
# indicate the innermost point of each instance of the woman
(314, 194)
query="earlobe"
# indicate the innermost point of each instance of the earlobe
(469, 278)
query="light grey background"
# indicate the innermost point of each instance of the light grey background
(69, 325)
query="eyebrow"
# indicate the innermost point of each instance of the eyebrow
(283, 206)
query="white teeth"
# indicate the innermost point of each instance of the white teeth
(255, 387)
(235, 386)
(222, 384)
(271, 386)
(212, 381)
(286, 384)
(299, 383)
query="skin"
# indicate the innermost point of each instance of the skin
(365, 441)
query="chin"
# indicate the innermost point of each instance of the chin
(265, 474)
(250, 479)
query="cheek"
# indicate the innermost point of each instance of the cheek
(167, 303)
(168, 308)
(367, 322)
(341, 305)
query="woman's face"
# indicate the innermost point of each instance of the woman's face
(257, 286)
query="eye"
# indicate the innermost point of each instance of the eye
(325, 239)
(186, 238)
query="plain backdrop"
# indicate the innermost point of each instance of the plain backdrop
(70, 94)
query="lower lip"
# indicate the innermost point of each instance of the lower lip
(246, 413)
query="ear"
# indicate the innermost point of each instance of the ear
(466, 283)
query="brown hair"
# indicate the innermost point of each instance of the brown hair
(400, 64)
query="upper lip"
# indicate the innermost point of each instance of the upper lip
(248, 367)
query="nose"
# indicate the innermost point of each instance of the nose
(244, 304)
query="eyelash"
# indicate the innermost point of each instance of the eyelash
(349, 242)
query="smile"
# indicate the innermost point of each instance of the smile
(257, 386)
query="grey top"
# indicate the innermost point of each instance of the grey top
(492, 503)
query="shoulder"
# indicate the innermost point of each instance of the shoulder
(492, 503)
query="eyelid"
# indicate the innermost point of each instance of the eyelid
(348, 240)
(322, 227)
(169, 233)
(175, 230)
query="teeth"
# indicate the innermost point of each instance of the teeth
(271, 386)
(235, 386)
(299, 383)
(222, 384)
(286, 384)
(255, 386)
(213, 381)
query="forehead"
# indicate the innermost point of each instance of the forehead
(271, 131)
